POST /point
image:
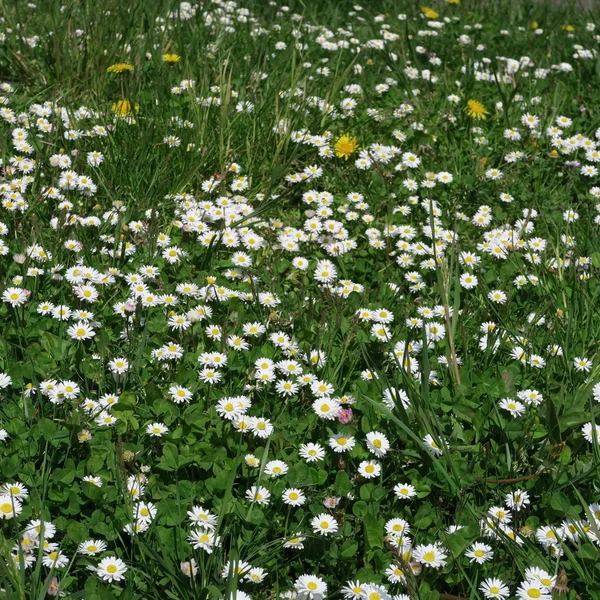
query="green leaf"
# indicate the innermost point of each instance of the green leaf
(342, 484)
(348, 549)
(360, 508)
(77, 532)
(373, 531)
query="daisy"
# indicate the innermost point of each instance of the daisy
(91, 547)
(180, 394)
(310, 587)
(324, 524)
(372, 591)
(377, 443)
(16, 490)
(515, 408)
(258, 495)
(497, 296)
(144, 511)
(295, 542)
(15, 296)
(430, 555)
(590, 431)
(432, 445)
(111, 569)
(276, 468)
(395, 574)
(369, 469)
(202, 539)
(118, 365)
(260, 427)
(517, 500)
(202, 517)
(495, 589)
(353, 590)
(479, 553)
(582, 364)
(397, 527)
(537, 574)
(404, 491)
(312, 452)
(9, 507)
(81, 331)
(293, 497)
(326, 408)
(157, 429)
(55, 560)
(341, 443)
(533, 590)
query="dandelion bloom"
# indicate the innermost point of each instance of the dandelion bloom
(345, 146)
(119, 68)
(476, 110)
(123, 108)
(429, 12)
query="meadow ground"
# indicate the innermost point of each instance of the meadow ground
(299, 301)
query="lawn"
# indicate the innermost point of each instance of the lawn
(299, 301)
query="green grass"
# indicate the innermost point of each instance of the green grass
(229, 200)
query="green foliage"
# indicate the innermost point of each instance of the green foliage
(210, 203)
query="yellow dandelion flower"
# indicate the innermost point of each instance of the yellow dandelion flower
(345, 146)
(568, 27)
(429, 12)
(171, 58)
(476, 110)
(534, 25)
(453, 1)
(123, 108)
(119, 68)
